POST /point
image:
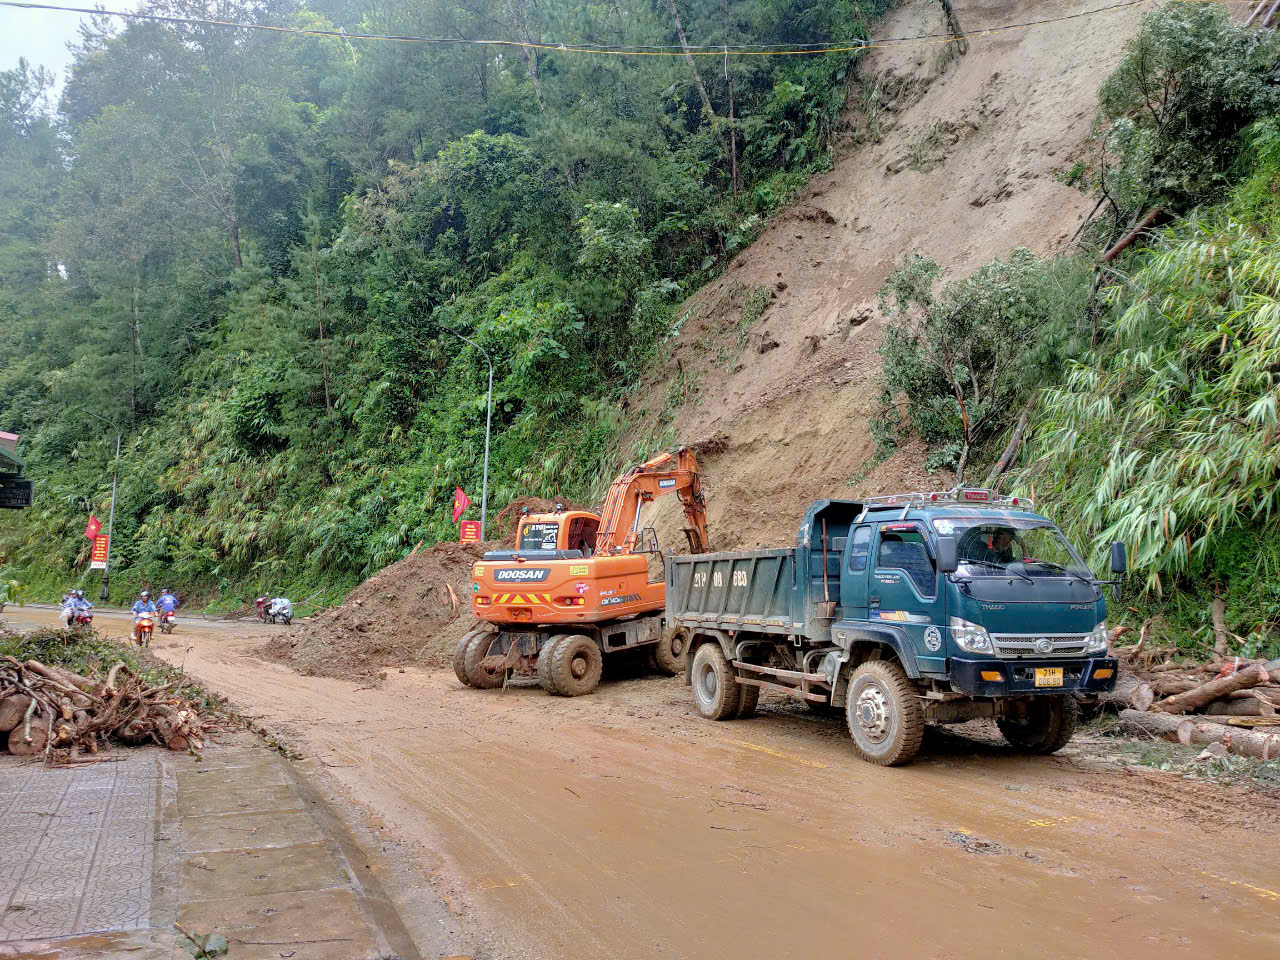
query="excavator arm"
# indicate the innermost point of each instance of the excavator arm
(669, 473)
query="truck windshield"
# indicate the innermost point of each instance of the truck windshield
(1011, 546)
(539, 536)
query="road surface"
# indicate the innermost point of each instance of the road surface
(621, 825)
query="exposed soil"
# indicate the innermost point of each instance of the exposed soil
(414, 611)
(966, 170)
(623, 825)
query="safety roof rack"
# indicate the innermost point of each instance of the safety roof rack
(965, 495)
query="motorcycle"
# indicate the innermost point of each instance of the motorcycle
(281, 611)
(274, 610)
(168, 620)
(144, 624)
(83, 620)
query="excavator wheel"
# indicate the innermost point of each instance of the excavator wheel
(576, 663)
(481, 677)
(460, 659)
(546, 678)
(672, 651)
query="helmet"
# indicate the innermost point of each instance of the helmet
(166, 590)
(144, 594)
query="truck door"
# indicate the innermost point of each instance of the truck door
(904, 590)
(853, 583)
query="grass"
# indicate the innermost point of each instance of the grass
(929, 150)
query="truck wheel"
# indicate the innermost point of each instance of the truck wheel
(575, 665)
(748, 697)
(884, 716)
(715, 692)
(1047, 726)
(672, 651)
(481, 677)
(546, 679)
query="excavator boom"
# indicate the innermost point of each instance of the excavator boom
(669, 473)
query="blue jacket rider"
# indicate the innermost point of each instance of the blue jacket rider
(168, 602)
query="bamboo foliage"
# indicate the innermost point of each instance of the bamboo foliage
(1169, 438)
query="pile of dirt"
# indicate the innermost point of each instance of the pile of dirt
(412, 612)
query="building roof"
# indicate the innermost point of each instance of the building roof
(10, 462)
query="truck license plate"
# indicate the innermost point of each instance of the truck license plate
(1048, 676)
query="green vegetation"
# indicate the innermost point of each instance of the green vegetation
(247, 250)
(1150, 381)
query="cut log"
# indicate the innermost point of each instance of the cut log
(1168, 686)
(1142, 697)
(1129, 691)
(1150, 724)
(1197, 697)
(18, 744)
(1247, 707)
(1263, 744)
(12, 710)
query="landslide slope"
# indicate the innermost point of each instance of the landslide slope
(967, 167)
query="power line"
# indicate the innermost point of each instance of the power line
(698, 50)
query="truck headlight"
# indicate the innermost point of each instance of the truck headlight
(971, 636)
(1097, 639)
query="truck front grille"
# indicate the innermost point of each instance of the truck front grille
(1025, 644)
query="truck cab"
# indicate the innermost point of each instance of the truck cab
(1008, 608)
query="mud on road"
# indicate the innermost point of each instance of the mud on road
(622, 825)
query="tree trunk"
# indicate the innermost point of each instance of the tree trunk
(1252, 707)
(519, 22)
(960, 45)
(693, 67)
(324, 347)
(733, 133)
(960, 464)
(1208, 692)
(1015, 442)
(1218, 611)
(12, 710)
(236, 260)
(18, 744)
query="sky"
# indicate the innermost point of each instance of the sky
(42, 35)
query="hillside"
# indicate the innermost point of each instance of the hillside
(967, 170)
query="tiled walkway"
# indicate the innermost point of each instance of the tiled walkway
(76, 847)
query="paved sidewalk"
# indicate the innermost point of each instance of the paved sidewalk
(102, 859)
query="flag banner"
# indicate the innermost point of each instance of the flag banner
(460, 503)
(92, 527)
(470, 531)
(98, 558)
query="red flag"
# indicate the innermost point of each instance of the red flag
(460, 503)
(92, 527)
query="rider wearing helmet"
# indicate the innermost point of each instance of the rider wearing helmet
(168, 601)
(144, 604)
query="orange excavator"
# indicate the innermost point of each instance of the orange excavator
(577, 587)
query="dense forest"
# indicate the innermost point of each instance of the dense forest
(245, 251)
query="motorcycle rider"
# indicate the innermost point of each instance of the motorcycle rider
(282, 608)
(82, 604)
(69, 608)
(144, 604)
(168, 601)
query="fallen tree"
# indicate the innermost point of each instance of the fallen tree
(45, 708)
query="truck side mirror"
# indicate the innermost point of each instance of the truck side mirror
(948, 558)
(1119, 558)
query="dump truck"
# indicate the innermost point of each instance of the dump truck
(577, 587)
(939, 606)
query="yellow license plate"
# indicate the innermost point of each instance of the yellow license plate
(1048, 676)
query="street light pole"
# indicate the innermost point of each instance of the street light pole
(111, 518)
(484, 485)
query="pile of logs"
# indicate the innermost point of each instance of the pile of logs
(46, 708)
(1235, 700)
